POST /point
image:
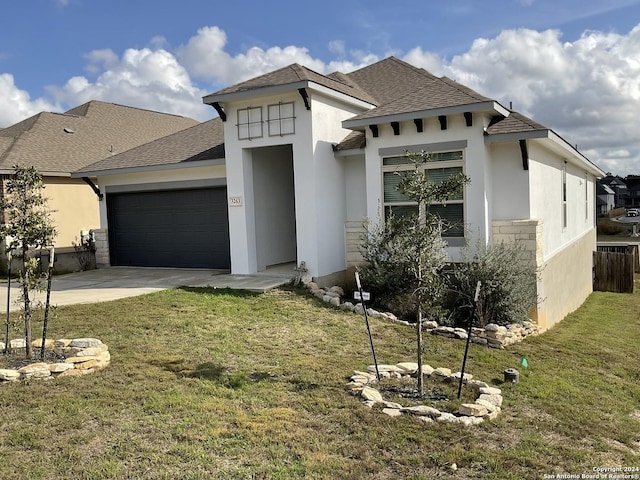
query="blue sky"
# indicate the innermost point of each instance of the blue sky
(572, 65)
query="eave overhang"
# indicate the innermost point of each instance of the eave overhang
(554, 142)
(148, 168)
(490, 107)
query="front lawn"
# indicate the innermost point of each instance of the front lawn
(222, 384)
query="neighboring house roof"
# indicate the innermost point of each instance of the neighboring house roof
(615, 181)
(60, 143)
(602, 189)
(202, 142)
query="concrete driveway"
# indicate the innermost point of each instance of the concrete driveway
(119, 282)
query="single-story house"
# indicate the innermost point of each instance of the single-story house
(60, 143)
(308, 157)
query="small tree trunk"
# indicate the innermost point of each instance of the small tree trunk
(419, 342)
(27, 302)
(419, 330)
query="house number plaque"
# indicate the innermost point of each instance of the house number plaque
(235, 201)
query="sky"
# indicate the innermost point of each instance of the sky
(572, 65)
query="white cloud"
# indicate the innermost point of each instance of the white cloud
(587, 90)
(144, 78)
(16, 104)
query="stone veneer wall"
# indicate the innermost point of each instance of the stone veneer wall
(101, 239)
(566, 280)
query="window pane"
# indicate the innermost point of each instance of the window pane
(400, 211)
(255, 114)
(435, 157)
(453, 217)
(390, 192)
(437, 175)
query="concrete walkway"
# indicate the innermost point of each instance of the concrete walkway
(107, 284)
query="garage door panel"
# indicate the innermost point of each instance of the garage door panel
(174, 228)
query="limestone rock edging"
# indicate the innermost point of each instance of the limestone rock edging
(82, 356)
(494, 336)
(487, 405)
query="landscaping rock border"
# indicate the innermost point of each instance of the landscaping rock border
(487, 405)
(82, 356)
(492, 335)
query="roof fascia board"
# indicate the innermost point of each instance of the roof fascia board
(254, 92)
(43, 173)
(148, 168)
(434, 112)
(349, 153)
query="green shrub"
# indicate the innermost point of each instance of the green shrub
(508, 290)
(389, 251)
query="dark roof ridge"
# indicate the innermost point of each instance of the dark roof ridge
(86, 107)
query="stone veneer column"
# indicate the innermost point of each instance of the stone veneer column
(529, 234)
(101, 239)
(353, 235)
(525, 232)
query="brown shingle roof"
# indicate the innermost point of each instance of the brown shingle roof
(352, 141)
(514, 123)
(293, 74)
(390, 79)
(204, 141)
(60, 143)
(429, 94)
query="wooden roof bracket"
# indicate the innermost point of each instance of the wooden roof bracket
(524, 153)
(94, 187)
(468, 117)
(419, 125)
(443, 122)
(396, 128)
(220, 110)
(374, 130)
(305, 97)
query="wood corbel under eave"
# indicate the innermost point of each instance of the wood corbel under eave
(419, 125)
(94, 187)
(396, 128)
(374, 130)
(443, 122)
(525, 154)
(220, 110)
(305, 97)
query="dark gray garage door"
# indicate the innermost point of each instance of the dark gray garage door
(172, 228)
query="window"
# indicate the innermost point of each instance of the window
(564, 197)
(249, 123)
(586, 196)
(281, 119)
(442, 166)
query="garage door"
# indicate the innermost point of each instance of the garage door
(172, 228)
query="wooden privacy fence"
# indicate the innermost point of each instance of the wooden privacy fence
(613, 271)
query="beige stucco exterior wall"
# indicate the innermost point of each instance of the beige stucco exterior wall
(74, 206)
(564, 279)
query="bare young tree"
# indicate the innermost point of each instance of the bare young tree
(28, 225)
